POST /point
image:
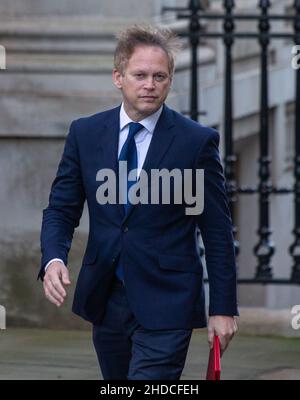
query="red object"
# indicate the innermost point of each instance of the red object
(214, 362)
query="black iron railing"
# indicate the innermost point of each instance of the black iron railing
(195, 13)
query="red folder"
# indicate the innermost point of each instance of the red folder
(214, 362)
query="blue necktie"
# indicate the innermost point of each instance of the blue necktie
(129, 154)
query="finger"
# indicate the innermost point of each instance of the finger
(59, 287)
(65, 277)
(223, 343)
(211, 335)
(51, 298)
(53, 281)
(231, 333)
(54, 293)
(223, 349)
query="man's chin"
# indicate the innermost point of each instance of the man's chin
(150, 107)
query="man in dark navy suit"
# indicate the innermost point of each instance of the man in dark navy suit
(141, 281)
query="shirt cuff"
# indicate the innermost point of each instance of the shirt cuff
(51, 261)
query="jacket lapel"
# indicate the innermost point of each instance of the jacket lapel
(108, 150)
(163, 136)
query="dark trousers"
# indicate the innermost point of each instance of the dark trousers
(126, 350)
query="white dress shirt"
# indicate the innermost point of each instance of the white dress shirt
(142, 141)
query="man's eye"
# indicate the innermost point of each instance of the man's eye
(139, 76)
(160, 77)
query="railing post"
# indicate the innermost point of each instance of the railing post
(230, 158)
(265, 248)
(295, 247)
(194, 31)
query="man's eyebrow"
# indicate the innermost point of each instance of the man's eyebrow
(140, 71)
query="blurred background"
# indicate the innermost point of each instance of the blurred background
(59, 56)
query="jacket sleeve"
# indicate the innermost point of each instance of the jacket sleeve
(216, 230)
(65, 207)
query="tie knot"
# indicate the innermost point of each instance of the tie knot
(134, 127)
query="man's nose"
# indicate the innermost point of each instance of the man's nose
(150, 83)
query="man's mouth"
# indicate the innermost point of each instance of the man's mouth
(149, 97)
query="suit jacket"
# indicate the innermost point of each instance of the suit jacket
(157, 243)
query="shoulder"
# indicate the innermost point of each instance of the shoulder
(192, 130)
(95, 120)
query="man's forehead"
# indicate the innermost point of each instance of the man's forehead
(153, 52)
(143, 62)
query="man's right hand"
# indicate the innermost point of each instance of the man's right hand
(55, 277)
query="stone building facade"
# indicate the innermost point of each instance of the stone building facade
(59, 61)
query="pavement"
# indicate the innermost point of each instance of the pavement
(38, 354)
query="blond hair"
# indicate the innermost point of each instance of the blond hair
(145, 35)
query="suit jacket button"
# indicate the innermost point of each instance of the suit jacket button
(125, 229)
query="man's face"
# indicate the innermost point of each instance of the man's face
(145, 82)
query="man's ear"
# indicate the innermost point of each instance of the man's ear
(117, 78)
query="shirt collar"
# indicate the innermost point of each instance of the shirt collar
(149, 122)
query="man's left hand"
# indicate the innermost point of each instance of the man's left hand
(223, 326)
